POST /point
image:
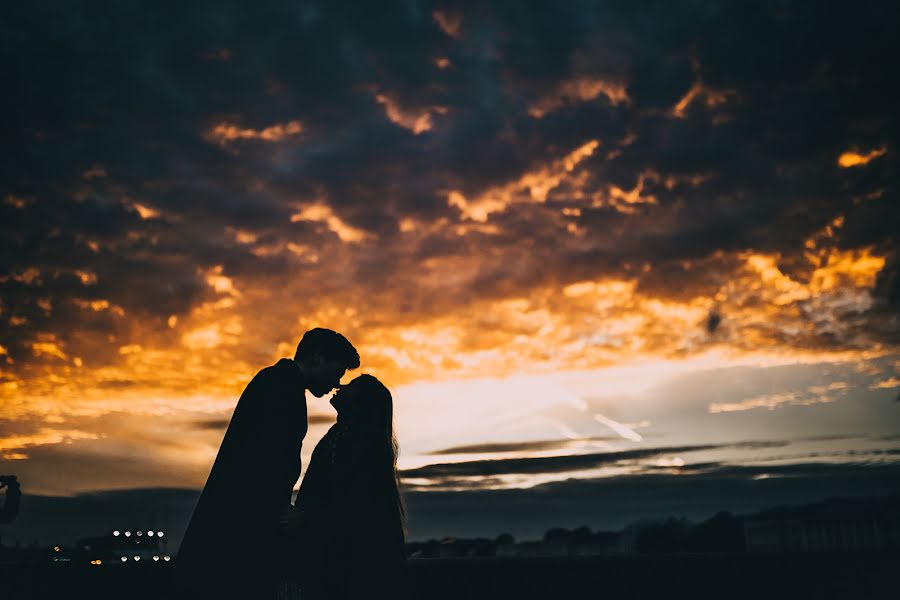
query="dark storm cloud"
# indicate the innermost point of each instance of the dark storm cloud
(137, 98)
(783, 123)
(112, 107)
(806, 91)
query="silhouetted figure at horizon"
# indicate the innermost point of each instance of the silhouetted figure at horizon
(346, 534)
(251, 482)
(13, 497)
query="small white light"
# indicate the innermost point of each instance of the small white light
(140, 533)
(159, 533)
(124, 559)
(137, 558)
(155, 558)
(127, 534)
(150, 533)
(116, 533)
(167, 558)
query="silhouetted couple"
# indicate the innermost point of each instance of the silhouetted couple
(343, 538)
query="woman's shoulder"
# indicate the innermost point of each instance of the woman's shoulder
(328, 440)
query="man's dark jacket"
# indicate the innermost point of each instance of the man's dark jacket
(235, 522)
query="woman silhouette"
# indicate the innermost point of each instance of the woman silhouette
(347, 525)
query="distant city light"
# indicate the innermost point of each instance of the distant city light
(127, 534)
(159, 533)
(116, 533)
(56, 548)
(96, 561)
(167, 558)
(150, 533)
(140, 533)
(155, 558)
(124, 559)
(137, 558)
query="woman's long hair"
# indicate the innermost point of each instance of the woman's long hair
(373, 401)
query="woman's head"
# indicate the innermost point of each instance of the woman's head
(365, 401)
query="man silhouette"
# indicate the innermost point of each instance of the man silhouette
(233, 533)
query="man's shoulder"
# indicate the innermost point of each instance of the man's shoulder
(277, 384)
(284, 369)
(262, 384)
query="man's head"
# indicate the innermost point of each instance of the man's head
(324, 356)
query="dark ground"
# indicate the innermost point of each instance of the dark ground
(853, 576)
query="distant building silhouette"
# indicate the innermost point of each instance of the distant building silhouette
(837, 525)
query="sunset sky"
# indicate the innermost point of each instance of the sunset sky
(613, 261)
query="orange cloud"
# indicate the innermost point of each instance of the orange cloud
(30, 276)
(699, 92)
(86, 277)
(814, 395)
(224, 132)
(15, 201)
(11, 446)
(322, 213)
(533, 186)
(219, 282)
(145, 211)
(577, 91)
(451, 24)
(100, 305)
(48, 349)
(241, 236)
(417, 121)
(886, 384)
(852, 158)
(626, 201)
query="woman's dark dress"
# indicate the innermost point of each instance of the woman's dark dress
(350, 543)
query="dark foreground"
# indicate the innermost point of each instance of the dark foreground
(740, 576)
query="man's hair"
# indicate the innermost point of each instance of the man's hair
(331, 345)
